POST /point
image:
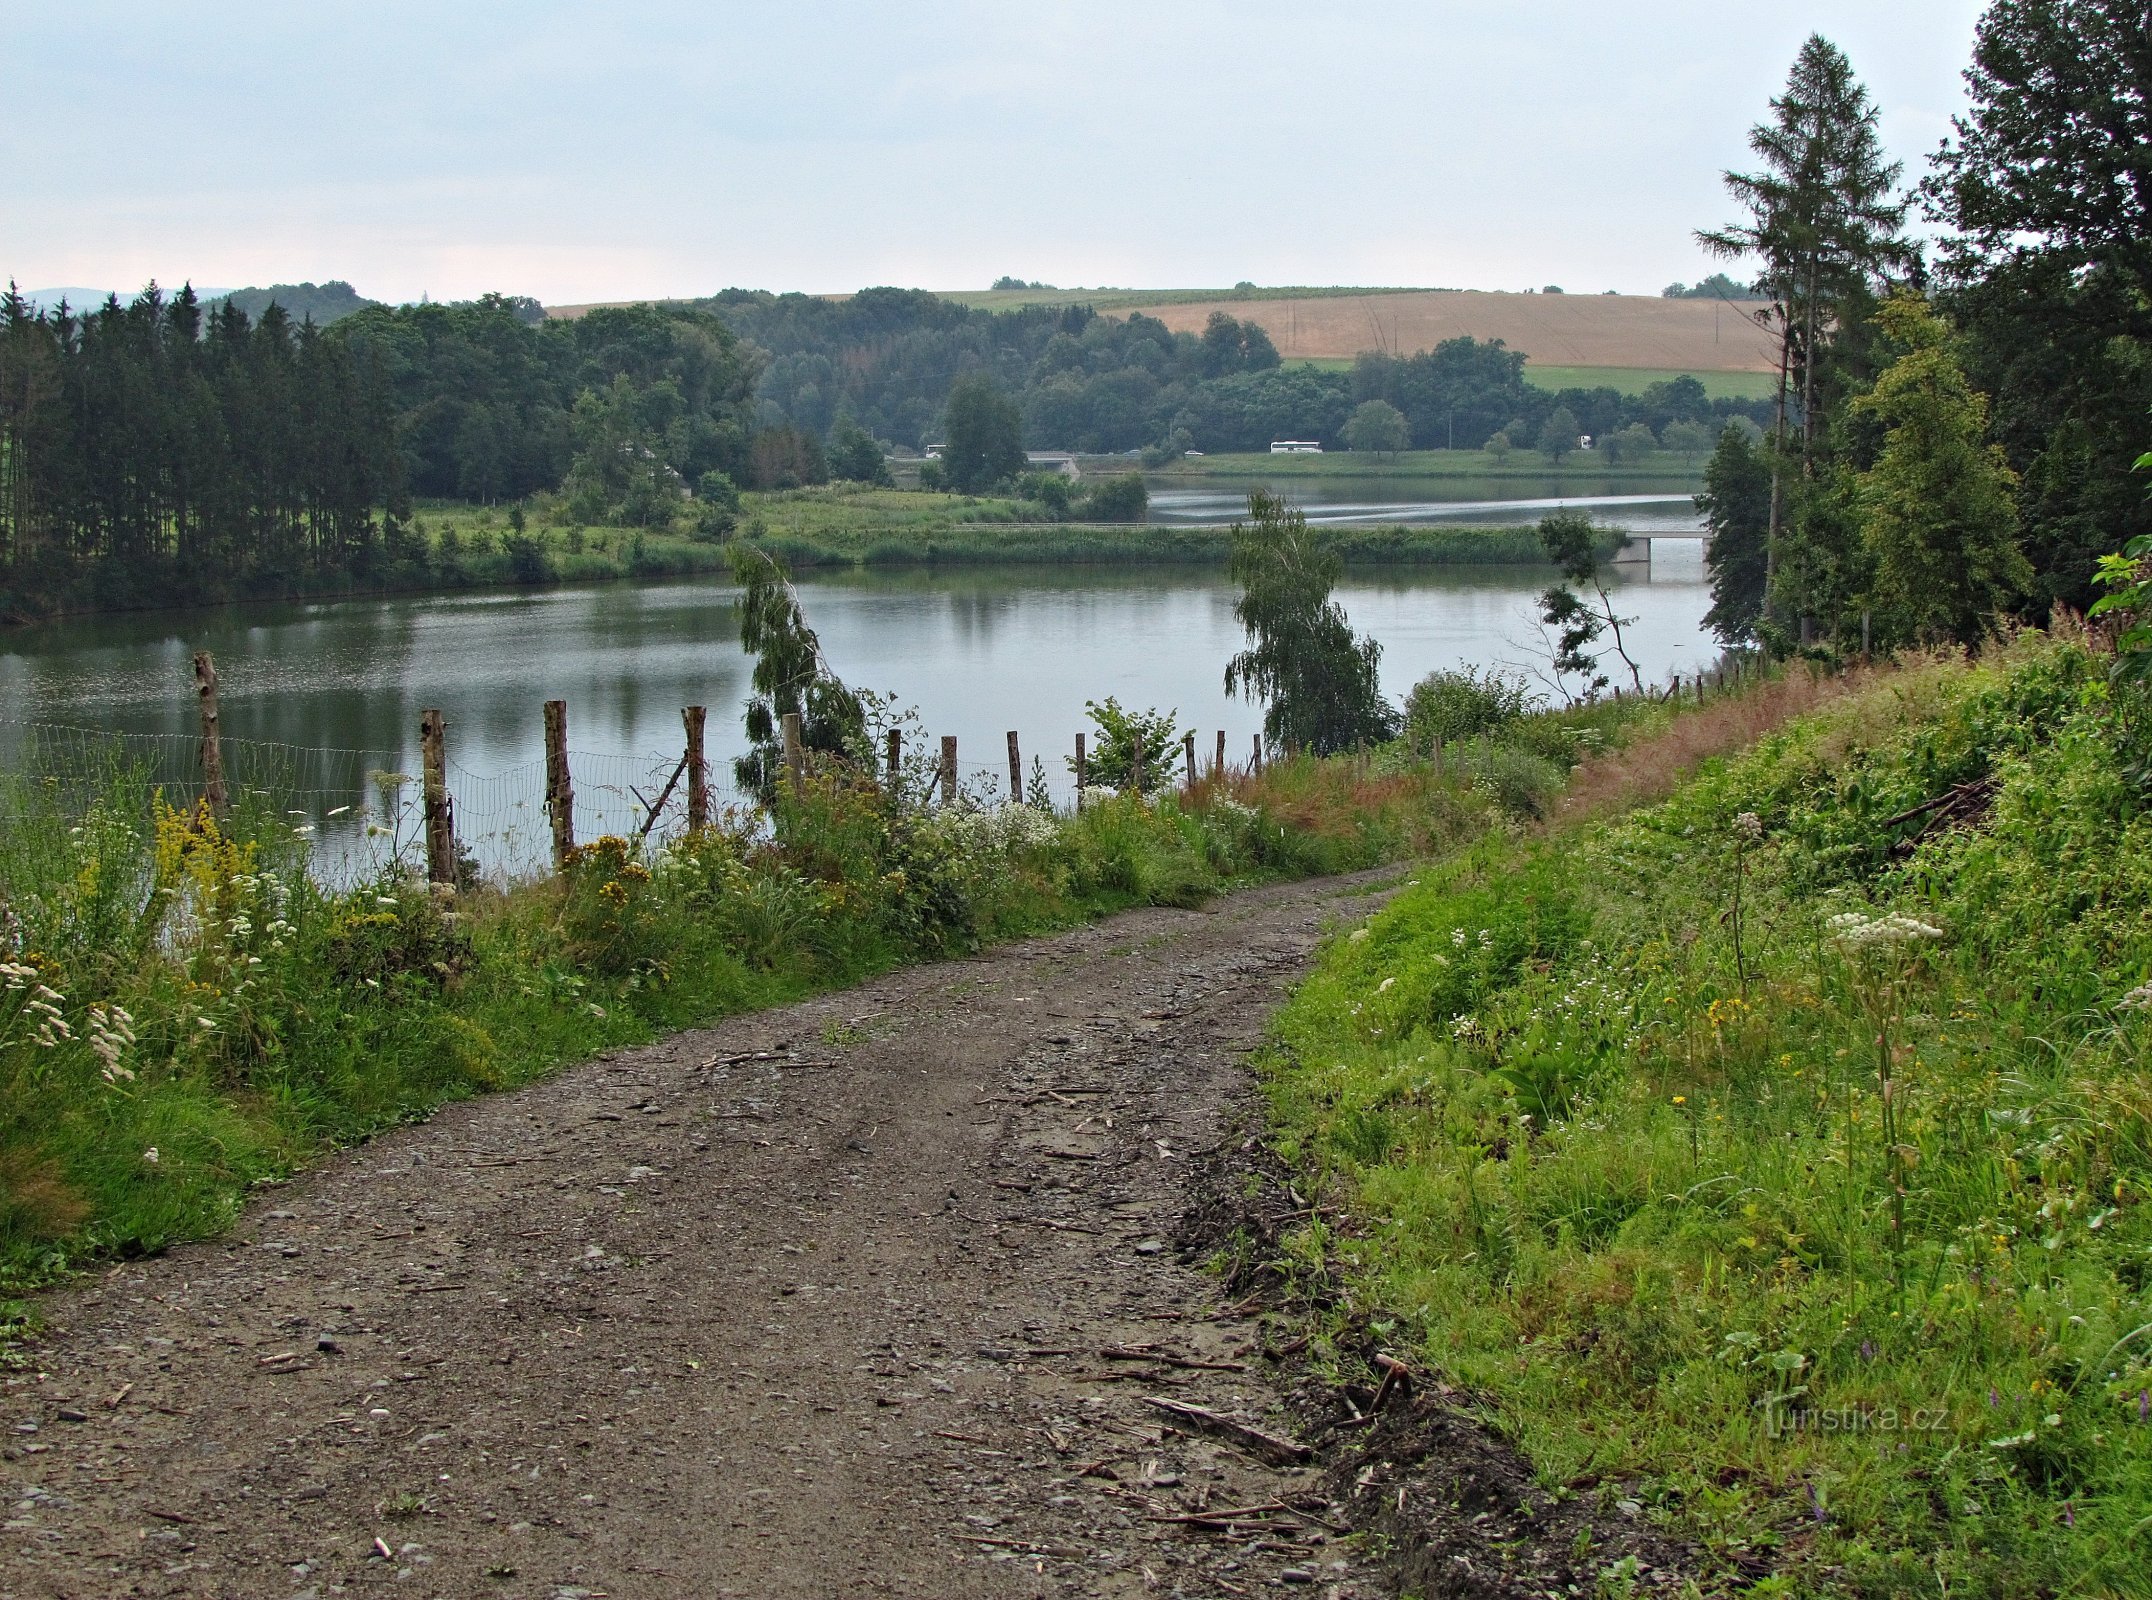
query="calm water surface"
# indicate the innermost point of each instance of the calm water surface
(1665, 508)
(978, 652)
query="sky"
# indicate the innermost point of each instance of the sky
(665, 147)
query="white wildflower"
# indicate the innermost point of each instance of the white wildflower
(150, 1155)
(1749, 825)
(1856, 932)
(2138, 999)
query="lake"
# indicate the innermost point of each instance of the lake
(316, 696)
(1652, 506)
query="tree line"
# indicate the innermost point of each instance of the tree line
(886, 360)
(1953, 427)
(160, 450)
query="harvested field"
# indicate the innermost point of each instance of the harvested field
(1566, 330)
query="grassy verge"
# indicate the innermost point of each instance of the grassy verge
(185, 1014)
(1777, 1154)
(846, 525)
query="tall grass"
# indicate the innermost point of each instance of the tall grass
(1780, 1152)
(188, 1013)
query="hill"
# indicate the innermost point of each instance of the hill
(1562, 330)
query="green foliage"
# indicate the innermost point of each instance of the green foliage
(1558, 434)
(1825, 1226)
(1377, 427)
(1119, 499)
(1736, 506)
(185, 1013)
(1110, 760)
(2047, 274)
(1577, 549)
(1049, 490)
(856, 455)
(1319, 679)
(984, 436)
(1938, 514)
(790, 677)
(1448, 707)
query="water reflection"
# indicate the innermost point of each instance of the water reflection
(978, 652)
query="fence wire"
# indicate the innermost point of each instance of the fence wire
(361, 808)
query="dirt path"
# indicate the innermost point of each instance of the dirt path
(866, 1296)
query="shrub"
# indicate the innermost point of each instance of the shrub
(1118, 499)
(1445, 707)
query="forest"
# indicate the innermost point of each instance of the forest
(1957, 422)
(169, 449)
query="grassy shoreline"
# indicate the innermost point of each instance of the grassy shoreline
(186, 1015)
(835, 526)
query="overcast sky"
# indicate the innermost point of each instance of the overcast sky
(665, 147)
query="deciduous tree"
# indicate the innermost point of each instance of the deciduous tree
(1938, 508)
(1319, 679)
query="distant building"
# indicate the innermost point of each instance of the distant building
(1052, 461)
(1296, 447)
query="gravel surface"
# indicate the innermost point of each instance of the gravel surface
(876, 1294)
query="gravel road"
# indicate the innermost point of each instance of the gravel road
(873, 1295)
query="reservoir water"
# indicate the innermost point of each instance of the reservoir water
(340, 685)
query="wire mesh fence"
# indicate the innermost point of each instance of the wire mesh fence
(361, 809)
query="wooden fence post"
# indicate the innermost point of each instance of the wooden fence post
(559, 788)
(205, 686)
(1016, 772)
(948, 769)
(1188, 759)
(1083, 773)
(896, 760)
(698, 773)
(795, 756)
(1255, 761)
(440, 820)
(1218, 766)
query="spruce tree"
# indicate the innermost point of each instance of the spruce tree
(1825, 223)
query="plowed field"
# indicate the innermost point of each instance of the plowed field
(1568, 330)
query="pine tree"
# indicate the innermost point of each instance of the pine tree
(1825, 223)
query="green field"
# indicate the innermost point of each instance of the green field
(1635, 380)
(1629, 380)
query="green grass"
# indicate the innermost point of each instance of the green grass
(1618, 1155)
(848, 525)
(1635, 380)
(186, 1014)
(1632, 381)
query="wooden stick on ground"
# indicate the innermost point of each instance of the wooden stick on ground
(1273, 1446)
